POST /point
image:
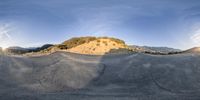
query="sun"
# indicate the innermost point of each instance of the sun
(4, 45)
(3, 48)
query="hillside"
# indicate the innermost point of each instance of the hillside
(193, 50)
(82, 45)
(90, 45)
(98, 46)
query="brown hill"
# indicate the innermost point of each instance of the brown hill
(193, 50)
(89, 45)
(73, 42)
(98, 46)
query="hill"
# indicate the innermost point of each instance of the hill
(193, 50)
(98, 46)
(90, 45)
(82, 45)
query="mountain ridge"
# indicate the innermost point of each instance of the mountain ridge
(95, 46)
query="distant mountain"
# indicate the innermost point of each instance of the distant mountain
(156, 49)
(16, 50)
(37, 49)
(21, 50)
(162, 49)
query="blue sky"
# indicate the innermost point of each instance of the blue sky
(172, 23)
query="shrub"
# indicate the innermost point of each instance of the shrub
(97, 44)
(62, 47)
(105, 42)
(113, 39)
(73, 42)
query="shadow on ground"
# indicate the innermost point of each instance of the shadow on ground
(132, 76)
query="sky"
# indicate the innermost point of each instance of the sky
(169, 23)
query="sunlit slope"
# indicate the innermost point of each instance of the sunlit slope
(90, 45)
(97, 47)
(136, 75)
(193, 50)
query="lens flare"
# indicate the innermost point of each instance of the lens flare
(5, 37)
(196, 37)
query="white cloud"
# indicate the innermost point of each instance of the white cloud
(196, 37)
(5, 38)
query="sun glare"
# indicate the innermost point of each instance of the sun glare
(196, 37)
(5, 37)
(4, 48)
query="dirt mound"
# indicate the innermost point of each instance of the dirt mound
(89, 45)
(99, 46)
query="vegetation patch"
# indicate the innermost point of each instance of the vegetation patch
(73, 42)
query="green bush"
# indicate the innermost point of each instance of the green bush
(105, 43)
(73, 42)
(97, 44)
(113, 39)
(62, 46)
(98, 41)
